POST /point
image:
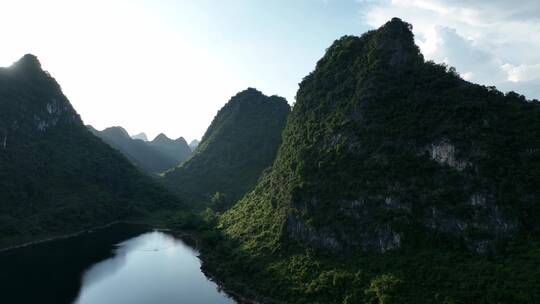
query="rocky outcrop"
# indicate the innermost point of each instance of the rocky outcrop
(480, 222)
(445, 154)
(53, 107)
(299, 230)
(4, 141)
(377, 236)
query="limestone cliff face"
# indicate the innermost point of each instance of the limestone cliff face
(445, 154)
(384, 150)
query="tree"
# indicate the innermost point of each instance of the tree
(219, 201)
(384, 289)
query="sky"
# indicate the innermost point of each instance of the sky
(168, 66)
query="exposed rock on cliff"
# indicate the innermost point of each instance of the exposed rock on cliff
(384, 150)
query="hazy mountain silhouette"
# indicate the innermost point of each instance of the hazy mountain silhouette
(156, 156)
(141, 136)
(177, 149)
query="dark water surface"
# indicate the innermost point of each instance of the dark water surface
(121, 264)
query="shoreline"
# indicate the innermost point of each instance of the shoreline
(60, 237)
(190, 237)
(231, 293)
(238, 297)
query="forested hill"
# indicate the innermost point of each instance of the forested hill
(239, 144)
(387, 155)
(55, 175)
(381, 141)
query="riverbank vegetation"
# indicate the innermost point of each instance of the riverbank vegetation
(433, 273)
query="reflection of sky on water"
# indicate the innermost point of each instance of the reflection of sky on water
(151, 268)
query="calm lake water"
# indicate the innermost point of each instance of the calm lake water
(121, 264)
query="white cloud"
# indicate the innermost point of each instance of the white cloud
(493, 42)
(522, 72)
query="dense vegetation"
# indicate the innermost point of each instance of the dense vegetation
(427, 274)
(397, 182)
(240, 143)
(55, 176)
(156, 156)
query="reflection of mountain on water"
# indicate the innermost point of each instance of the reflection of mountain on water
(120, 264)
(151, 268)
(105, 268)
(157, 242)
(149, 242)
(51, 272)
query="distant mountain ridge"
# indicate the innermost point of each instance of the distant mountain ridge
(194, 144)
(55, 176)
(141, 136)
(177, 149)
(154, 156)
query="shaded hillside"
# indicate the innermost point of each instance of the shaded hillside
(240, 143)
(55, 176)
(156, 156)
(404, 172)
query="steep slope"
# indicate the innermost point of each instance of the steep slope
(384, 153)
(383, 141)
(55, 176)
(152, 157)
(239, 144)
(177, 149)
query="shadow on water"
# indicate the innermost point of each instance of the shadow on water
(51, 272)
(119, 264)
